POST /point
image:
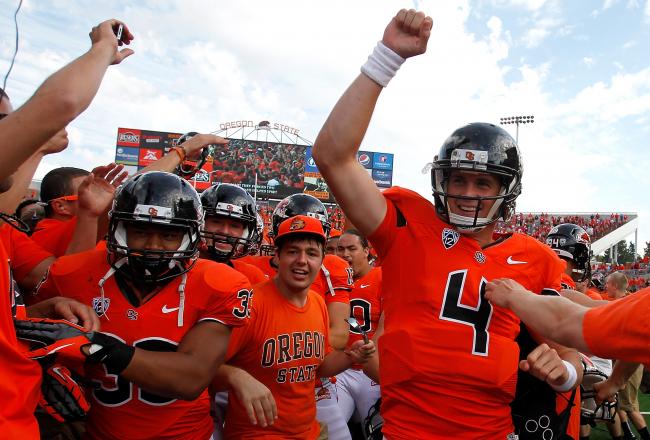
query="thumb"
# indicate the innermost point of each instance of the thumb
(124, 53)
(524, 365)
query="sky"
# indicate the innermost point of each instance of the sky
(581, 68)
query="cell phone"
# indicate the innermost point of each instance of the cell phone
(118, 32)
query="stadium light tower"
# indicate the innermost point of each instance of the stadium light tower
(517, 120)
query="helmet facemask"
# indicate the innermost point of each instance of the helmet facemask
(504, 202)
(149, 267)
(239, 246)
(591, 411)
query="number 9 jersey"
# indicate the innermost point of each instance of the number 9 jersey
(448, 357)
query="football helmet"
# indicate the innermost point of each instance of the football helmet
(300, 204)
(373, 422)
(571, 242)
(483, 148)
(258, 235)
(233, 202)
(190, 166)
(157, 198)
(591, 411)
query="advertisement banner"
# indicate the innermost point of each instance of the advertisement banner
(365, 158)
(128, 137)
(382, 161)
(383, 178)
(127, 155)
(149, 155)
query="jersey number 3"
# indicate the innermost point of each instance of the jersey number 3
(477, 317)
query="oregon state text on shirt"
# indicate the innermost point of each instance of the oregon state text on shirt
(285, 348)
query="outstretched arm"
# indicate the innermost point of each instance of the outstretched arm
(60, 99)
(554, 318)
(338, 141)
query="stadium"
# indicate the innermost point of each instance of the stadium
(223, 239)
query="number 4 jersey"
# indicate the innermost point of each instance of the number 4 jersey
(119, 408)
(448, 357)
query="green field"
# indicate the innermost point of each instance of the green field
(600, 432)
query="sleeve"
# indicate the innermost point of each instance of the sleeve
(25, 254)
(620, 329)
(57, 238)
(338, 274)
(228, 296)
(384, 236)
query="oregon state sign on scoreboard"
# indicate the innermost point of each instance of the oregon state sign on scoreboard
(271, 170)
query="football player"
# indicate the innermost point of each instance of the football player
(335, 277)
(356, 392)
(230, 230)
(285, 346)
(166, 314)
(460, 351)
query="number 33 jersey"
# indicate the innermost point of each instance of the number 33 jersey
(119, 408)
(448, 357)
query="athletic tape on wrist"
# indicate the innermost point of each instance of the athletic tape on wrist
(382, 65)
(571, 380)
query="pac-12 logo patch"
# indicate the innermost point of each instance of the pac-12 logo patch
(479, 257)
(449, 238)
(100, 305)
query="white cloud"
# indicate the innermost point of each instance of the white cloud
(588, 61)
(199, 63)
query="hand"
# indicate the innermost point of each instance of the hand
(545, 364)
(61, 396)
(256, 398)
(607, 389)
(408, 32)
(103, 34)
(68, 309)
(56, 143)
(361, 352)
(97, 190)
(503, 291)
(72, 344)
(196, 143)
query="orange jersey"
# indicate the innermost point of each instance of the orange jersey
(20, 377)
(620, 329)
(567, 282)
(365, 304)
(24, 253)
(54, 235)
(254, 274)
(282, 347)
(449, 358)
(119, 408)
(334, 268)
(594, 294)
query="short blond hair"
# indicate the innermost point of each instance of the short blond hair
(618, 280)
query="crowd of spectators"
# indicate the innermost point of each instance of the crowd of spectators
(275, 164)
(538, 225)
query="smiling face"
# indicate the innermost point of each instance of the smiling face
(298, 263)
(472, 184)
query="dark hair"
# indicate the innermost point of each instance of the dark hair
(362, 239)
(281, 242)
(58, 183)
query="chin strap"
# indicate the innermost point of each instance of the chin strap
(101, 283)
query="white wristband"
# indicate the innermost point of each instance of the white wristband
(571, 380)
(382, 65)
